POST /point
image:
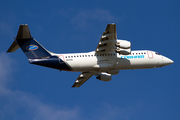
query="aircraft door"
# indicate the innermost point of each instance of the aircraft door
(150, 54)
(61, 59)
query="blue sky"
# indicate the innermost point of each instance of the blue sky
(33, 92)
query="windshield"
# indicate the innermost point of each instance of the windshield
(157, 53)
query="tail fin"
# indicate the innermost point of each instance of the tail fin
(28, 44)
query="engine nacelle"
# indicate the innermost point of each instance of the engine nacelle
(113, 72)
(123, 51)
(104, 77)
(123, 47)
(123, 44)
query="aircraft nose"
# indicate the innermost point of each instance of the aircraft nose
(167, 61)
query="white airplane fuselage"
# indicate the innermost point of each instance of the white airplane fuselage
(110, 61)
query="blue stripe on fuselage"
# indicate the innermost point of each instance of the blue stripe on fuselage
(51, 62)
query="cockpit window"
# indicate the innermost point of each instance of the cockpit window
(157, 53)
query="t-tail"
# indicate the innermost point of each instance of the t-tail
(35, 52)
(31, 48)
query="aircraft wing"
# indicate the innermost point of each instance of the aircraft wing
(108, 39)
(83, 77)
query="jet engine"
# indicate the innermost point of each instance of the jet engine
(123, 47)
(104, 77)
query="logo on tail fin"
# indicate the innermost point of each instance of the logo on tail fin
(32, 47)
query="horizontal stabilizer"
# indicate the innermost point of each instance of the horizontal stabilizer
(13, 47)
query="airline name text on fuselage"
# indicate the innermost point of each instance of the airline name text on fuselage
(133, 57)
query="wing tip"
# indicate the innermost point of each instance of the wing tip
(75, 86)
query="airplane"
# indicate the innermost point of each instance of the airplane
(110, 56)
